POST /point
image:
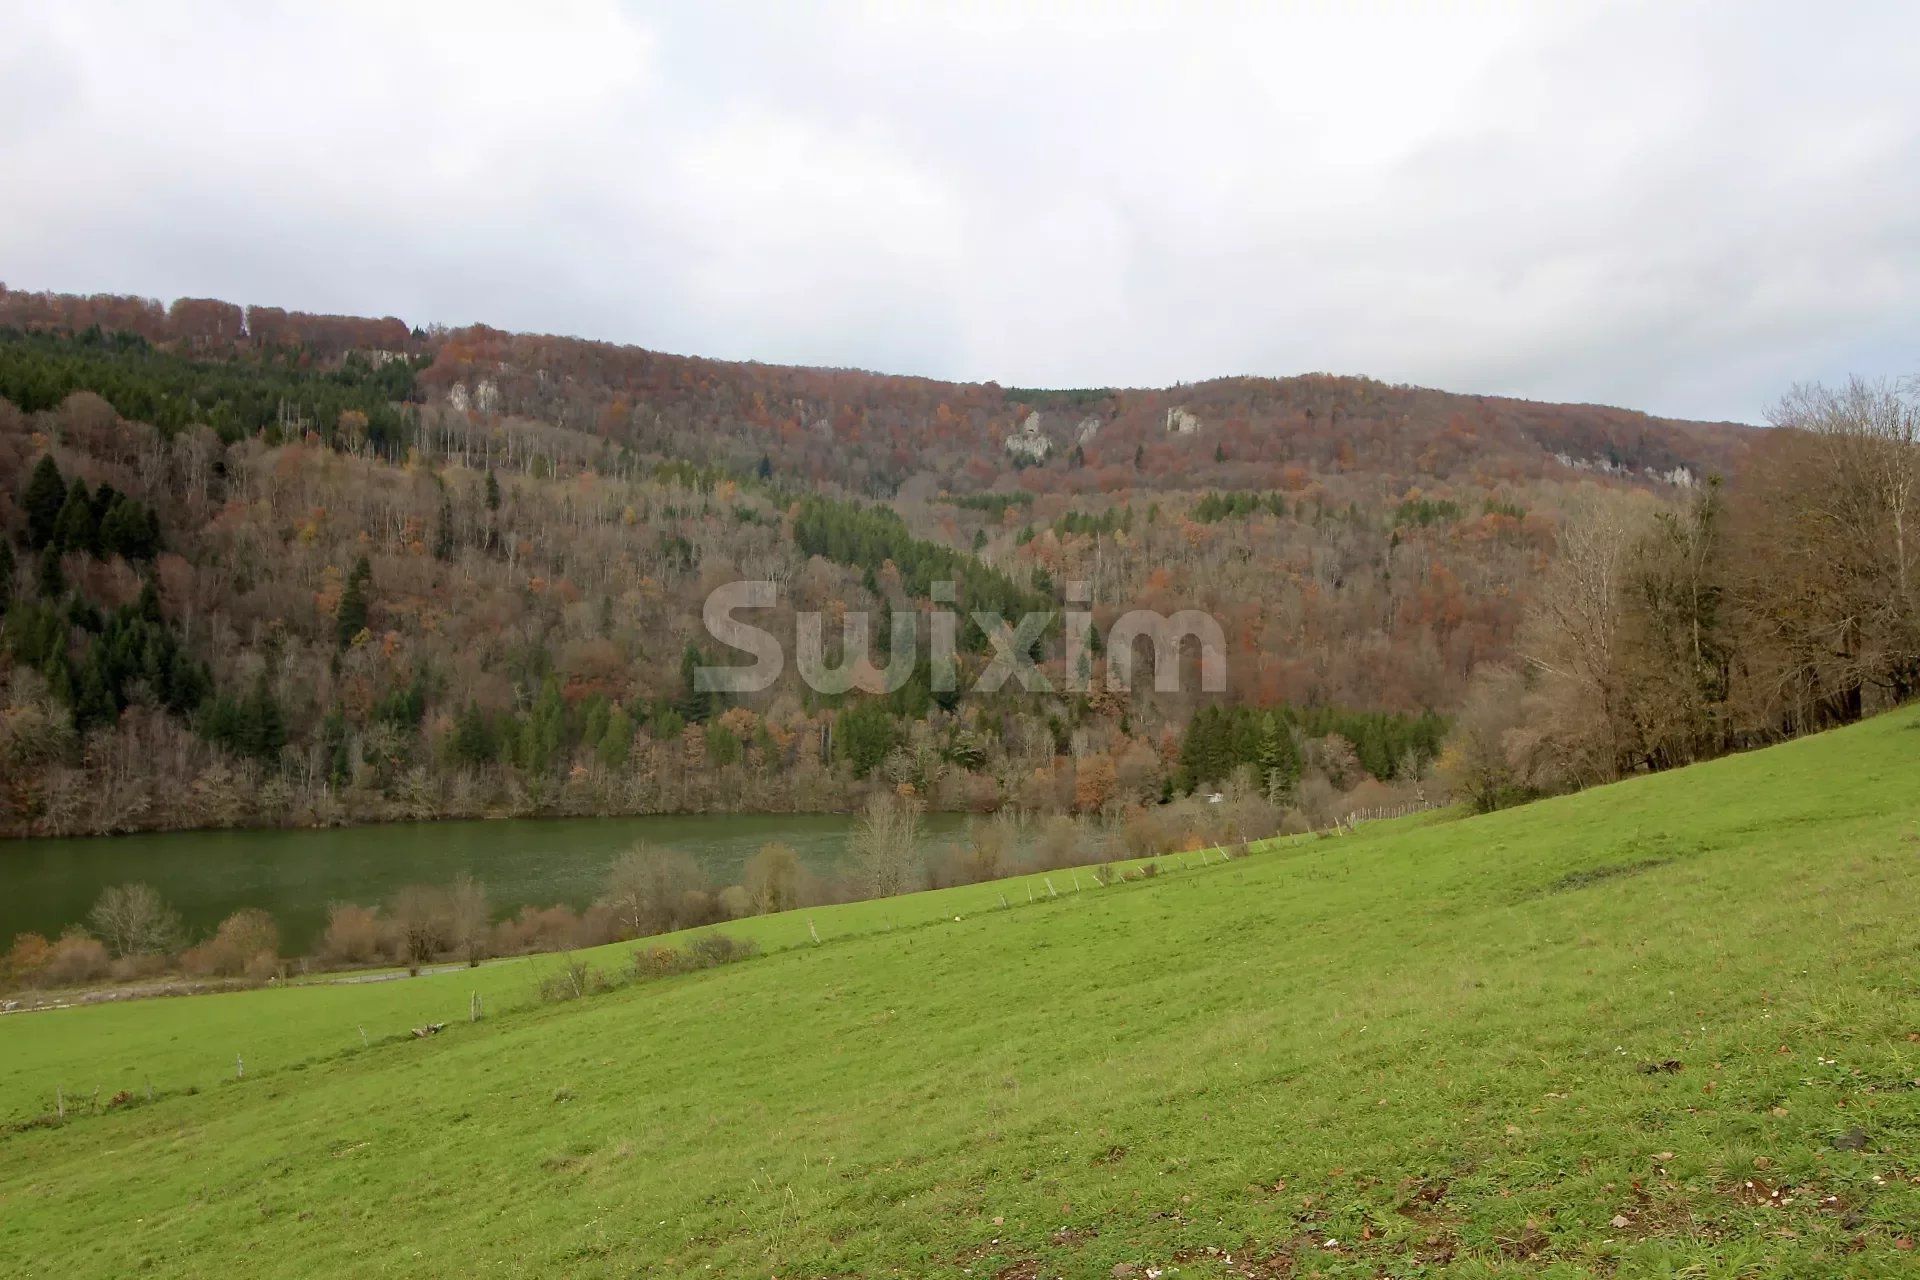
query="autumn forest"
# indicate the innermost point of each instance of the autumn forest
(267, 568)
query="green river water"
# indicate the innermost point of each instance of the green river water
(46, 885)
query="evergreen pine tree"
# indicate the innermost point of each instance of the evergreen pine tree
(50, 581)
(694, 704)
(333, 746)
(262, 728)
(350, 618)
(493, 491)
(46, 493)
(1278, 758)
(73, 529)
(443, 532)
(616, 742)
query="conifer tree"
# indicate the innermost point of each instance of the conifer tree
(46, 493)
(73, 528)
(50, 581)
(350, 618)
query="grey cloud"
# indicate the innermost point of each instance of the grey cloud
(1680, 208)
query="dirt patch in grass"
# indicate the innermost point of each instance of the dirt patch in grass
(1600, 875)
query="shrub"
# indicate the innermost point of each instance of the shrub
(656, 890)
(776, 880)
(552, 928)
(1144, 833)
(77, 957)
(422, 928)
(707, 951)
(468, 919)
(574, 980)
(712, 949)
(352, 936)
(236, 946)
(130, 968)
(25, 959)
(1058, 845)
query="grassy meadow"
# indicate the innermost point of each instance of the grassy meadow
(1667, 1027)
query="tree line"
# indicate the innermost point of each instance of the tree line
(1781, 603)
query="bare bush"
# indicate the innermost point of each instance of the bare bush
(76, 958)
(241, 940)
(651, 889)
(468, 920)
(353, 935)
(1058, 845)
(776, 880)
(421, 919)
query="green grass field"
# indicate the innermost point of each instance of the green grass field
(1669, 1027)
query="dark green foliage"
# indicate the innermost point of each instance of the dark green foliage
(253, 726)
(73, 529)
(6, 574)
(1087, 523)
(129, 529)
(350, 618)
(1220, 739)
(46, 493)
(472, 742)
(333, 746)
(1276, 756)
(1215, 507)
(694, 704)
(863, 735)
(1426, 511)
(868, 537)
(49, 580)
(236, 397)
(405, 708)
(493, 491)
(98, 664)
(443, 532)
(995, 505)
(1058, 398)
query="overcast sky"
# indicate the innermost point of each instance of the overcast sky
(1682, 208)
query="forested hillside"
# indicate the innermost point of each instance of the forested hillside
(263, 567)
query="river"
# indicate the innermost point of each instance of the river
(46, 885)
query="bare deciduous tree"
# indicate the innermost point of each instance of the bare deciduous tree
(886, 845)
(133, 921)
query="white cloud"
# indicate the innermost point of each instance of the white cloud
(1682, 208)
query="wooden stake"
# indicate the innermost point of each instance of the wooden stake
(239, 1068)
